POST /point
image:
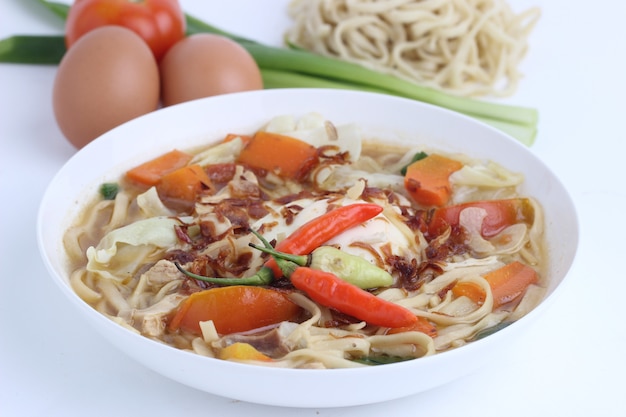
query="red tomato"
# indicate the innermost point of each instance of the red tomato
(161, 23)
(500, 214)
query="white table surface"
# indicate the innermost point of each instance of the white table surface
(571, 362)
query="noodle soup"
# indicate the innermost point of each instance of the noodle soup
(462, 268)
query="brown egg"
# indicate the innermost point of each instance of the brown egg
(109, 76)
(204, 65)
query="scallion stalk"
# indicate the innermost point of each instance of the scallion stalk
(27, 49)
(335, 69)
(273, 78)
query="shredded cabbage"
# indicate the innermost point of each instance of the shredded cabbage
(223, 153)
(339, 177)
(490, 175)
(151, 205)
(157, 232)
(313, 129)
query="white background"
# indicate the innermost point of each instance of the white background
(569, 363)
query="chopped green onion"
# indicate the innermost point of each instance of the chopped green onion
(109, 190)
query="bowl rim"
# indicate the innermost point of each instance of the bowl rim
(108, 139)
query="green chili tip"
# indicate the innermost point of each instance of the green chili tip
(287, 266)
(263, 277)
(300, 260)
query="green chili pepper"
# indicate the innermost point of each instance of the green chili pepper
(263, 277)
(321, 229)
(331, 291)
(350, 268)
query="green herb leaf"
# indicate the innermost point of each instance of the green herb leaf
(109, 190)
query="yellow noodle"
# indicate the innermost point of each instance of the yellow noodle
(120, 211)
(405, 344)
(113, 295)
(466, 47)
(200, 347)
(83, 290)
(328, 359)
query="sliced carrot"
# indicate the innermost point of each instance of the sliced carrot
(470, 290)
(510, 281)
(283, 155)
(507, 284)
(500, 214)
(428, 180)
(184, 184)
(421, 325)
(150, 172)
(234, 309)
(242, 352)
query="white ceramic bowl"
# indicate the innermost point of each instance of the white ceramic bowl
(206, 120)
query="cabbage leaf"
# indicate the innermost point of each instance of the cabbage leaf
(141, 236)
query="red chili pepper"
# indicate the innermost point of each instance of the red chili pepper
(318, 231)
(329, 290)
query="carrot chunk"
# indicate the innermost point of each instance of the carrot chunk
(234, 309)
(150, 172)
(283, 155)
(428, 180)
(184, 184)
(510, 281)
(507, 284)
(470, 290)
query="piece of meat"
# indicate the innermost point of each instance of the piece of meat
(162, 272)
